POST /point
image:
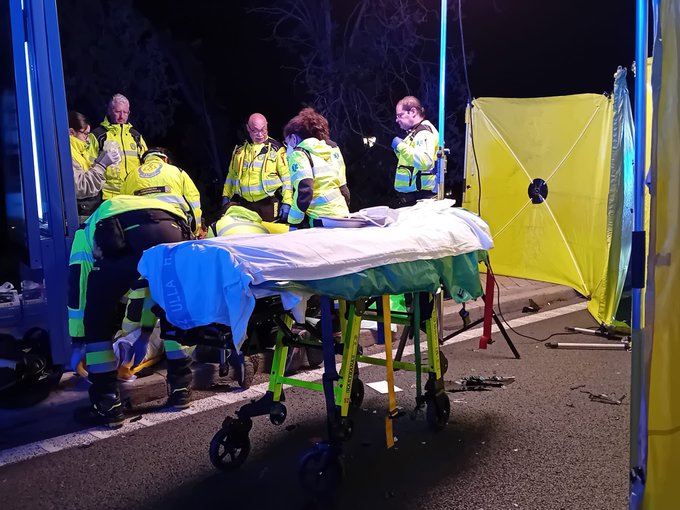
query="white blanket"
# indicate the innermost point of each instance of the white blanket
(201, 282)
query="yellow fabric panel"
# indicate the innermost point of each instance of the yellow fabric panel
(663, 301)
(565, 141)
(648, 163)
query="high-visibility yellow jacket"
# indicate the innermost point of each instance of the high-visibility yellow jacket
(162, 181)
(130, 145)
(82, 258)
(315, 159)
(239, 220)
(87, 174)
(258, 171)
(417, 155)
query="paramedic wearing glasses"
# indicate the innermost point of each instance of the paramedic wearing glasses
(258, 177)
(416, 176)
(88, 165)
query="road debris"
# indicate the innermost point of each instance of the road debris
(478, 383)
(603, 398)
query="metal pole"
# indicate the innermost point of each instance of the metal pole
(568, 345)
(639, 242)
(441, 157)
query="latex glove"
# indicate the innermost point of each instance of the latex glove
(225, 201)
(396, 141)
(283, 212)
(108, 158)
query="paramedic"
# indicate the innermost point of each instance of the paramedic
(157, 177)
(102, 268)
(316, 174)
(258, 176)
(88, 165)
(416, 175)
(115, 132)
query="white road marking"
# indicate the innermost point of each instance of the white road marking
(89, 436)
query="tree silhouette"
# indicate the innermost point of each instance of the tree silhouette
(109, 47)
(354, 65)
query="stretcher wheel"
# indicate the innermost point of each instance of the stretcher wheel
(321, 470)
(347, 428)
(224, 370)
(229, 448)
(245, 379)
(278, 413)
(314, 356)
(356, 396)
(443, 363)
(438, 411)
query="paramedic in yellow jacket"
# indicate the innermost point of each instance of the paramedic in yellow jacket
(416, 175)
(258, 176)
(88, 166)
(238, 220)
(316, 173)
(102, 269)
(115, 132)
(158, 178)
(320, 129)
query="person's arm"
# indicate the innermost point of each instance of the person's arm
(88, 183)
(302, 180)
(192, 196)
(345, 193)
(422, 154)
(284, 175)
(231, 183)
(305, 192)
(342, 173)
(142, 147)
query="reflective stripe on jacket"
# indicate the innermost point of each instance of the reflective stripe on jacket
(417, 155)
(258, 171)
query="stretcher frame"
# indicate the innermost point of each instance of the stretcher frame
(321, 468)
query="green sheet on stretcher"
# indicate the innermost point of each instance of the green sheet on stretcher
(459, 275)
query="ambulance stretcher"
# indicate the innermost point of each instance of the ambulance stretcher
(419, 250)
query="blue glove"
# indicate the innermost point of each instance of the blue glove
(396, 141)
(283, 212)
(225, 201)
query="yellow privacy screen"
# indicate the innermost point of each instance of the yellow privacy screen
(538, 172)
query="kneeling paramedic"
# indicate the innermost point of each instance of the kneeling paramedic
(103, 268)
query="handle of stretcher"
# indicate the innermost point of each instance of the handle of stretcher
(392, 405)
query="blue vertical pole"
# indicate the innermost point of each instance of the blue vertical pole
(640, 153)
(638, 444)
(441, 166)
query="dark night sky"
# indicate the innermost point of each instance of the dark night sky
(532, 48)
(515, 48)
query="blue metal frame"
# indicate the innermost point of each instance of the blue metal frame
(638, 414)
(43, 131)
(442, 96)
(19, 37)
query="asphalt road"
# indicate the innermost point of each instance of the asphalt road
(538, 444)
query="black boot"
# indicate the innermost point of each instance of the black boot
(106, 409)
(179, 382)
(108, 412)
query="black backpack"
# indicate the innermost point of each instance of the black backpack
(26, 372)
